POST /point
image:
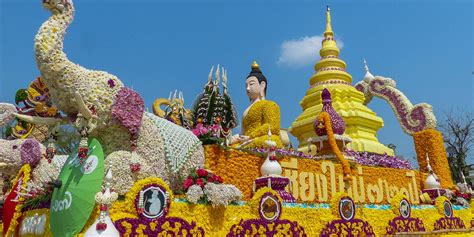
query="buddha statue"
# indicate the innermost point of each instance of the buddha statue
(260, 116)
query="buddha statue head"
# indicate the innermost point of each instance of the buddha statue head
(256, 84)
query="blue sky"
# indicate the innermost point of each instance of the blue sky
(159, 46)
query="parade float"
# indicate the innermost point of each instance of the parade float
(181, 172)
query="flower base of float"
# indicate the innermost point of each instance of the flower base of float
(315, 212)
(316, 181)
(266, 214)
(278, 184)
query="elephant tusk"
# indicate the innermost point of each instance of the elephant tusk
(38, 120)
(86, 113)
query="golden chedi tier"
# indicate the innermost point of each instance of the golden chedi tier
(362, 123)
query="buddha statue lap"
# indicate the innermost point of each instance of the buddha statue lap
(260, 116)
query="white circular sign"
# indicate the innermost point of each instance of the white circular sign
(90, 164)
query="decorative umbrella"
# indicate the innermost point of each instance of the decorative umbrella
(72, 203)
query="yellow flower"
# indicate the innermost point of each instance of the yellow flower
(395, 202)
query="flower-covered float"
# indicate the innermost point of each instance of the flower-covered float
(181, 172)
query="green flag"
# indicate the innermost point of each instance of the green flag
(73, 202)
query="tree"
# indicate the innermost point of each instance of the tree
(458, 134)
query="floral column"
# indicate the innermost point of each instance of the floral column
(430, 141)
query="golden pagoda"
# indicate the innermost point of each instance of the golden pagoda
(362, 123)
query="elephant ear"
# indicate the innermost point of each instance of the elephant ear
(128, 110)
(7, 113)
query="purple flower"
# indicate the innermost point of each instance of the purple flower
(385, 160)
(128, 110)
(111, 83)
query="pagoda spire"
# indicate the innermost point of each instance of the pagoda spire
(330, 69)
(362, 123)
(328, 23)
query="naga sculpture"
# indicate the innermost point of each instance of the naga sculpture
(174, 111)
(412, 118)
(102, 107)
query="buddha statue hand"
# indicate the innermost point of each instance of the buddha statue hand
(237, 139)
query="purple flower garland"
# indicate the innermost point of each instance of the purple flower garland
(373, 159)
(363, 158)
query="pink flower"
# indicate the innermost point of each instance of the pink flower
(215, 128)
(200, 130)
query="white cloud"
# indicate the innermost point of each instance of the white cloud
(303, 51)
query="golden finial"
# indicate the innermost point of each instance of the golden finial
(328, 14)
(255, 65)
(328, 21)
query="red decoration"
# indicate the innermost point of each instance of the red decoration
(101, 226)
(273, 158)
(202, 172)
(50, 151)
(187, 183)
(135, 167)
(200, 182)
(201, 177)
(9, 206)
(82, 154)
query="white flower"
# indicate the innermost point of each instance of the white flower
(194, 193)
(222, 194)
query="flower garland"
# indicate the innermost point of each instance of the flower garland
(325, 121)
(278, 151)
(24, 172)
(378, 160)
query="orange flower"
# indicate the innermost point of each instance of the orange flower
(324, 116)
